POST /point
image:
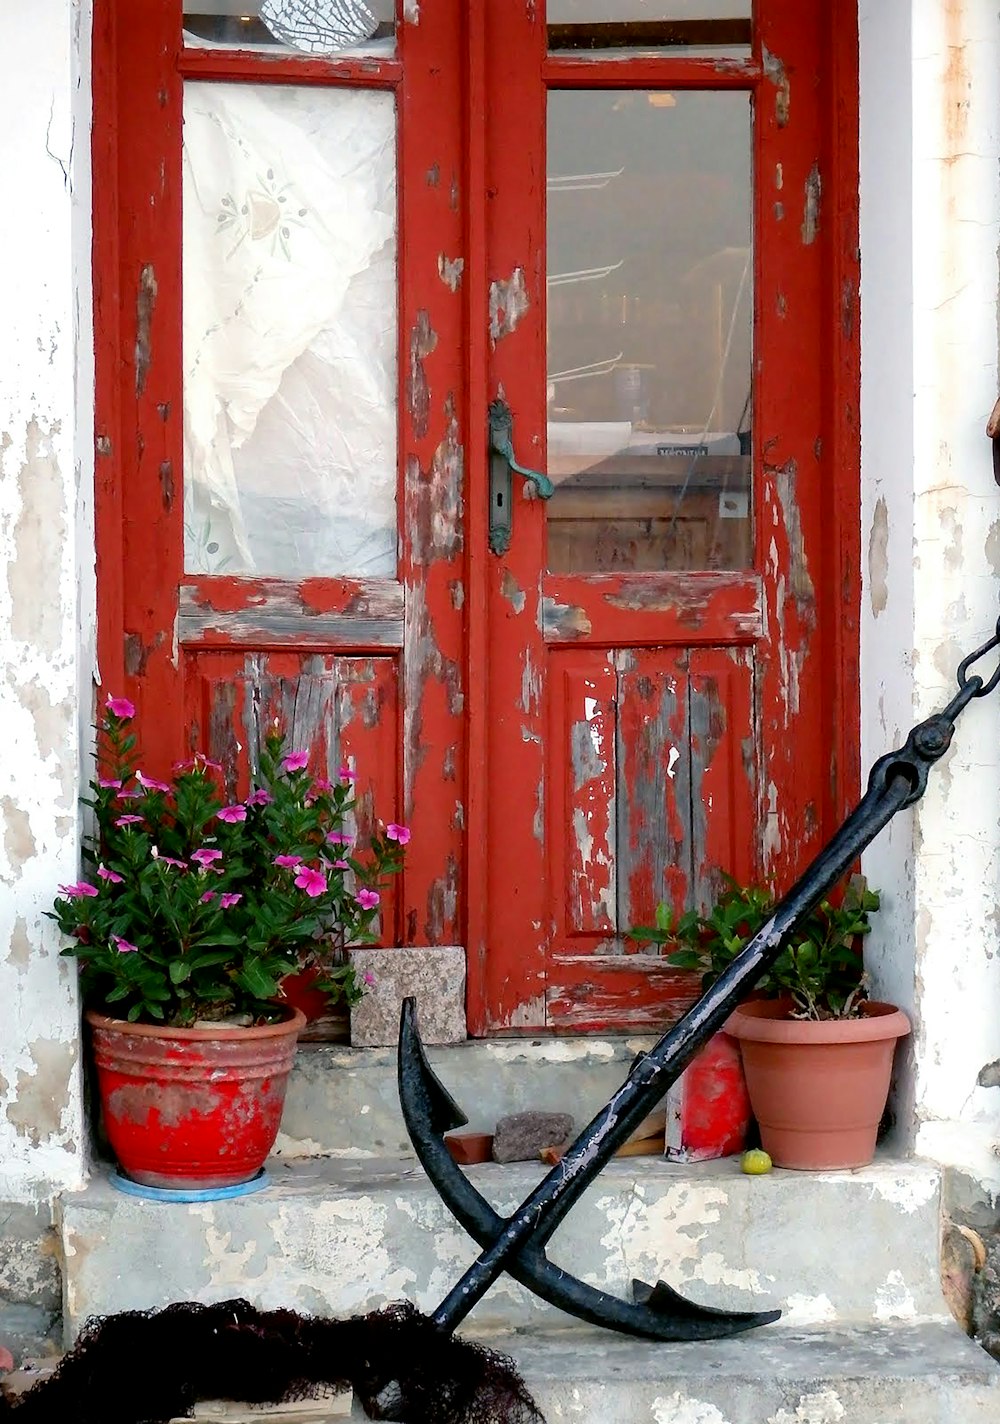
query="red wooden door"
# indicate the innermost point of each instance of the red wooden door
(671, 299)
(314, 273)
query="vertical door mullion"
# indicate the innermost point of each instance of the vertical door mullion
(432, 436)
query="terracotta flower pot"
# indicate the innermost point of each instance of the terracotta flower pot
(194, 1108)
(818, 1090)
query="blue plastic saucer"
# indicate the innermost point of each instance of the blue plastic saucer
(121, 1183)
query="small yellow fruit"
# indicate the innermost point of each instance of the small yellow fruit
(756, 1162)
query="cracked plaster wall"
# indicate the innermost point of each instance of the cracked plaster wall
(46, 578)
(930, 216)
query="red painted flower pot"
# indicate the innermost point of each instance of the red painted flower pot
(708, 1109)
(818, 1090)
(194, 1108)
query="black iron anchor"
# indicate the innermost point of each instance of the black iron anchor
(517, 1244)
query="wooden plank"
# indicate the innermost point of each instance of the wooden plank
(139, 489)
(265, 68)
(723, 771)
(432, 441)
(583, 769)
(478, 556)
(519, 895)
(634, 993)
(649, 72)
(654, 785)
(653, 609)
(317, 613)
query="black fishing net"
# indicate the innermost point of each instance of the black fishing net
(145, 1367)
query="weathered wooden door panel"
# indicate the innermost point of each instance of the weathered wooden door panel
(343, 710)
(651, 799)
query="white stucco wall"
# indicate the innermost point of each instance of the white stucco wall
(930, 217)
(46, 593)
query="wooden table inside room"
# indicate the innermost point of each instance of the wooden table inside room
(647, 512)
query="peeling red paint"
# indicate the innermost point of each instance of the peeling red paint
(508, 304)
(145, 305)
(423, 340)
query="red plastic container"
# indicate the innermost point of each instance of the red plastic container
(193, 1108)
(708, 1108)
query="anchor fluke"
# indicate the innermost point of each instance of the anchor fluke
(664, 1300)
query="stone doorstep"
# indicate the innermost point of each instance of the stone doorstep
(911, 1374)
(914, 1374)
(336, 1238)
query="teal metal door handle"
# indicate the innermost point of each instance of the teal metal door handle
(502, 466)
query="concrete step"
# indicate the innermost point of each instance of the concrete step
(344, 1102)
(337, 1237)
(914, 1374)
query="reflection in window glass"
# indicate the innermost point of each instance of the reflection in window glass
(721, 28)
(650, 315)
(289, 330)
(311, 27)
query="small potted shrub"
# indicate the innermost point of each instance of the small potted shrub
(190, 914)
(818, 1052)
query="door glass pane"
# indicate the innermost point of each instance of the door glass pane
(720, 28)
(289, 330)
(313, 27)
(650, 321)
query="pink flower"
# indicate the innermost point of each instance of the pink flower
(368, 978)
(120, 707)
(319, 786)
(208, 896)
(129, 821)
(123, 946)
(110, 783)
(132, 795)
(367, 899)
(288, 862)
(338, 838)
(229, 899)
(260, 797)
(232, 813)
(111, 875)
(80, 891)
(394, 832)
(206, 856)
(295, 761)
(341, 865)
(346, 774)
(169, 860)
(313, 882)
(151, 785)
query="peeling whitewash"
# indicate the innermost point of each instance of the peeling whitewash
(46, 585)
(930, 211)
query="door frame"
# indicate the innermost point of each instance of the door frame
(447, 51)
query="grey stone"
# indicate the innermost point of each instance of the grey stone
(433, 975)
(520, 1137)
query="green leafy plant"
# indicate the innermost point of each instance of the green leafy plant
(193, 909)
(820, 972)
